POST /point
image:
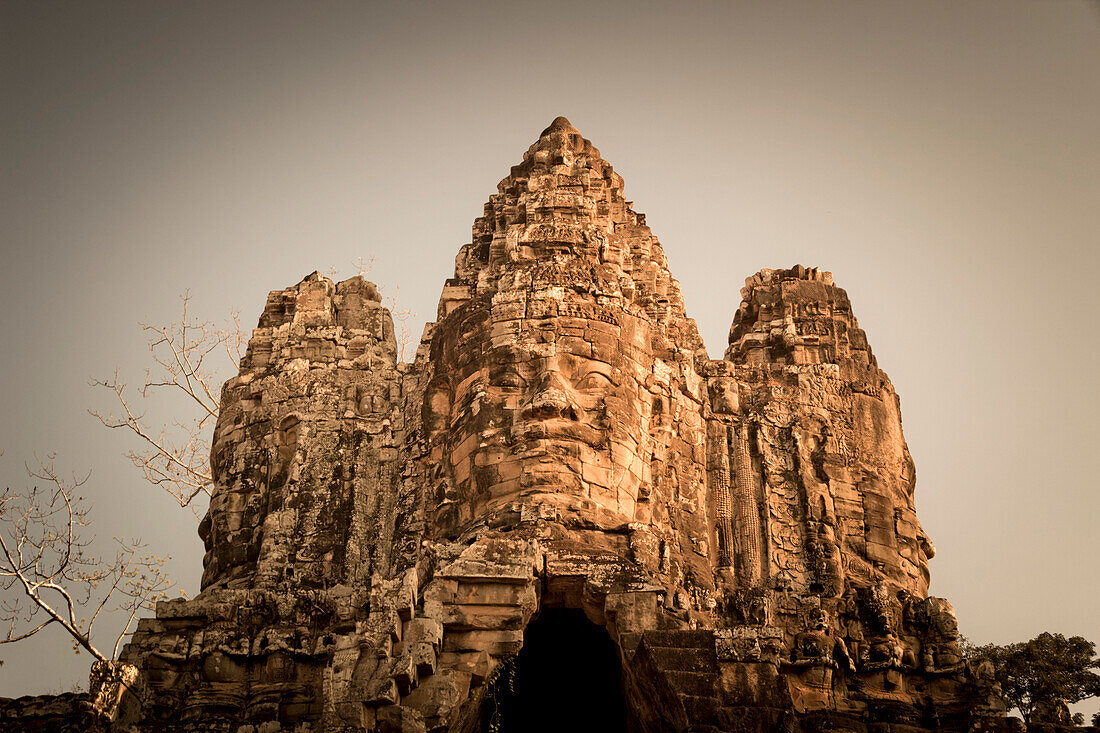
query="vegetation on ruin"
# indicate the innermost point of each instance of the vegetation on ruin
(1044, 671)
(500, 690)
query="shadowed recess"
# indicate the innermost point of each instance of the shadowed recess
(567, 678)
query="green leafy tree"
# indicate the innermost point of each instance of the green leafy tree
(1042, 672)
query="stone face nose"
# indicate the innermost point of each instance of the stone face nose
(551, 399)
(548, 403)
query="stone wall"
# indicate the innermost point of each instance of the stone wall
(69, 712)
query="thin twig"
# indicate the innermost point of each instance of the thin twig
(176, 457)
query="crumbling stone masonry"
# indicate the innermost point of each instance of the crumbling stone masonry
(381, 533)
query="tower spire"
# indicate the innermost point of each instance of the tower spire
(564, 205)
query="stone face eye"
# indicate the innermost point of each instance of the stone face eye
(508, 380)
(593, 382)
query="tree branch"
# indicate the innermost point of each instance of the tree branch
(175, 459)
(56, 576)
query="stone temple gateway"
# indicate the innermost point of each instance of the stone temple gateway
(562, 514)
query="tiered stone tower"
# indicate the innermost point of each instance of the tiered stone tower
(396, 547)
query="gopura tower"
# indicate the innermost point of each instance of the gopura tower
(394, 547)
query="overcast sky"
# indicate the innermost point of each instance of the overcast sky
(940, 158)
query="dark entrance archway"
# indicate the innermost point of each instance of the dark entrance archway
(566, 678)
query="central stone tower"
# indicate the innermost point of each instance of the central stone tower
(414, 547)
(562, 396)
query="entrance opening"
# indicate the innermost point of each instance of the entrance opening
(566, 677)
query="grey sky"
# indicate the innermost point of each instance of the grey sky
(941, 158)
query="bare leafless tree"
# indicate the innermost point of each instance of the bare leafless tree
(402, 332)
(49, 574)
(184, 356)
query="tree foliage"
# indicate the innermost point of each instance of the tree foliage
(1048, 669)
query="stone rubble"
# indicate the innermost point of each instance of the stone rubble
(381, 533)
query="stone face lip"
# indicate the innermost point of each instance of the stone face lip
(381, 534)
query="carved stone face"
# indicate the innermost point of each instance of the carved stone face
(551, 411)
(944, 623)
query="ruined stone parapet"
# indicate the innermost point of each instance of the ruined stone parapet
(68, 712)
